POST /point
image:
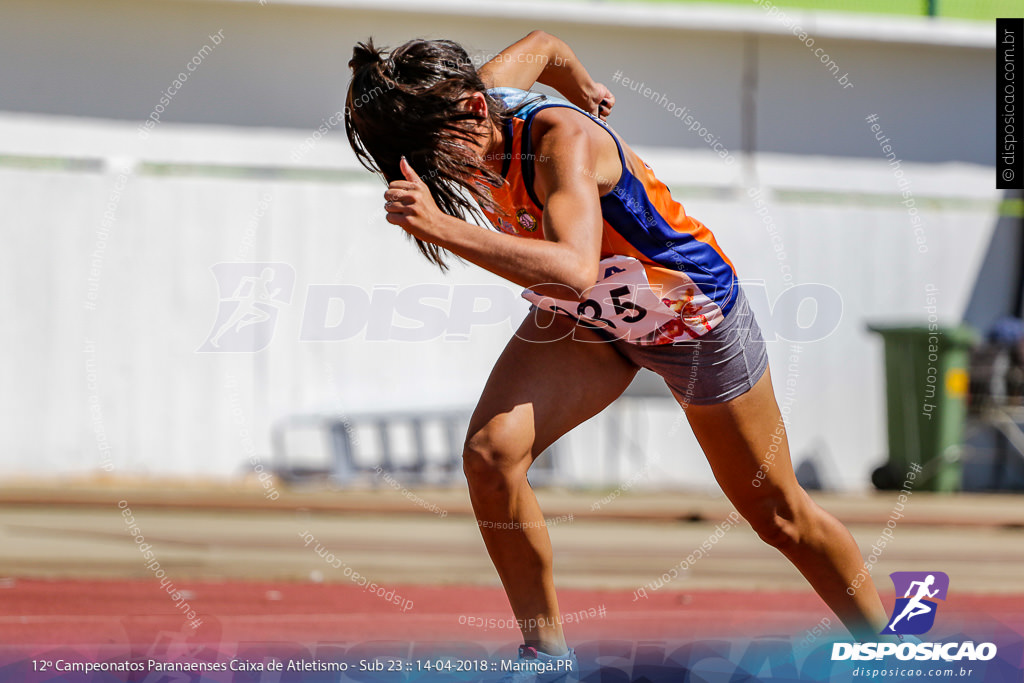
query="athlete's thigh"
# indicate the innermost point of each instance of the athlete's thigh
(745, 443)
(551, 376)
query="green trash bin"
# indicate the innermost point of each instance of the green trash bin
(926, 404)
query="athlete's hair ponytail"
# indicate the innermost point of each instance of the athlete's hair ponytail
(407, 102)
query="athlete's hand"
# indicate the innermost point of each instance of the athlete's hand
(411, 207)
(600, 101)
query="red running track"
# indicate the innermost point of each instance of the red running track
(135, 613)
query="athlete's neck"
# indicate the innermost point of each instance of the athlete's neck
(494, 152)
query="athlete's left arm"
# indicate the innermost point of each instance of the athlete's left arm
(540, 57)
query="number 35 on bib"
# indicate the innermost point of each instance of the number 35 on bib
(621, 302)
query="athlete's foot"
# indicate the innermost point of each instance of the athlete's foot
(538, 667)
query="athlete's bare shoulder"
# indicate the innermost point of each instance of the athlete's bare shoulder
(556, 128)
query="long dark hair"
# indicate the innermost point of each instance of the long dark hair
(407, 102)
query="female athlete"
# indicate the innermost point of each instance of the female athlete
(581, 222)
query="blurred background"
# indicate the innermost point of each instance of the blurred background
(143, 144)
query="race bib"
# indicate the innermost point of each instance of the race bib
(621, 302)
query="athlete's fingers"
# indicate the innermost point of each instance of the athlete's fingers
(407, 171)
(396, 207)
(397, 218)
(394, 196)
(402, 185)
(604, 100)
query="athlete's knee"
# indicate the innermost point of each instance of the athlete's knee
(496, 453)
(783, 521)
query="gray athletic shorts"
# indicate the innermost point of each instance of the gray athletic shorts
(715, 368)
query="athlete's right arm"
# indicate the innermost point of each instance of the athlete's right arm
(565, 263)
(540, 57)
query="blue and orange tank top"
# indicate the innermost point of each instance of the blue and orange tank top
(683, 264)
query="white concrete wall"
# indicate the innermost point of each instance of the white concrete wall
(164, 409)
(283, 65)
